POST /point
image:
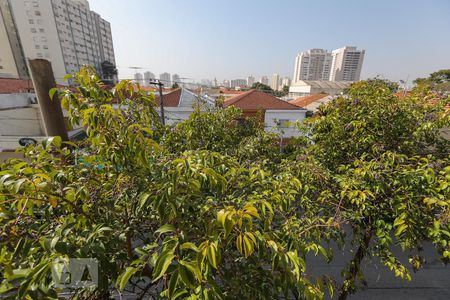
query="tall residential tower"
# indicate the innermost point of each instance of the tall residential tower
(275, 84)
(65, 32)
(12, 58)
(347, 64)
(314, 64)
(342, 64)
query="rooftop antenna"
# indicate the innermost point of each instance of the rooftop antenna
(405, 82)
(135, 72)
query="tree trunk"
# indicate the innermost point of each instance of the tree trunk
(355, 265)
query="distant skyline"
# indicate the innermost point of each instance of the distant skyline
(200, 39)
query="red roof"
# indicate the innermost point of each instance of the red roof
(307, 100)
(171, 99)
(12, 85)
(402, 94)
(255, 100)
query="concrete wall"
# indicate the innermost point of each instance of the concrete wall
(430, 282)
(16, 100)
(21, 122)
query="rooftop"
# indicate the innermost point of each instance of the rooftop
(182, 97)
(306, 100)
(254, 100)
(324, 84)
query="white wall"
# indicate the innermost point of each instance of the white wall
(272, 116)
(7, 61)
(21, 122)
(29, 39)
(16, 100)
(299, 90)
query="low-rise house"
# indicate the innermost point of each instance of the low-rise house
(180, 103)
(312, 102)
(278, 116)
(311, 87)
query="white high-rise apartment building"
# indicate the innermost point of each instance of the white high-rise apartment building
(12, 59)
(275, 84)
(176, 78)
(264, 80)
(65, 32)
(147, 77)
(286, 81)
(347, 64)
(165, 79)
(250, 80)
(314, 64)
(234, 83)
(138, 78)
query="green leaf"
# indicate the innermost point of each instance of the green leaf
(189, 245)
(123, 279)
(173, 283)
(193, 268)
(248, 244)
(18, 184)
(143, 200)
(187, 276)
(52, 92)
(54, 140)
(399, 221)
(179, 294)
(212, 255)
(401, 229)
(165, 228)
(162, 263)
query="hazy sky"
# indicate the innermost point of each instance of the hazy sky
(232, 39)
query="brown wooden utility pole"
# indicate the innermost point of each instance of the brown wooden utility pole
(51, 111)
(161, 99)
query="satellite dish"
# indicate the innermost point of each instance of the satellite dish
(27, 141)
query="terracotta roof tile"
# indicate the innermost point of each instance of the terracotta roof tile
(254, 100)
(402, 94)
(306, 100)
(171, 99)
(12, 85)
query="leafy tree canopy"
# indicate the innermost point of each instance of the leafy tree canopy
(210, 208)
(438, 81)
(261, 87)
(267, 89)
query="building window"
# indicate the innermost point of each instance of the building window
(41, 30)
(37, 13)
(30, 21)
(283, 123)
(33, 30)
(37, 47)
